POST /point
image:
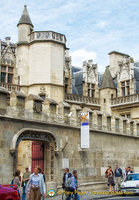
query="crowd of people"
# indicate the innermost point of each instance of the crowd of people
(33, 184)
(115, 178)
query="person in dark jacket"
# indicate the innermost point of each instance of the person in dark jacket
(67, 175)
(118, 176)
(129, 171)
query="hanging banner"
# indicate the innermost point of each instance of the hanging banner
(85, 141)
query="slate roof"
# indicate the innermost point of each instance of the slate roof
(107, 80)
(75, 69)
(25, 19)
(77, 86)
(100, 76)
(136, 75)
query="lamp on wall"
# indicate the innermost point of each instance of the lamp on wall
(70, 114)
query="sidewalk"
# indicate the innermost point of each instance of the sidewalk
(88, 195)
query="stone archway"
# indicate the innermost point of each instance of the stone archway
(35, 135)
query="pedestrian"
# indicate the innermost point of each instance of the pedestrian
(111, 181)
(25, 180)
(17, 180)
(109, 169)
(129, 171)
(74, 186)
(66, 175)
(40, 172)
(125, 174)
(118, 177)
(36, 187)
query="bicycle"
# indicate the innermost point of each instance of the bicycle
(66, 193)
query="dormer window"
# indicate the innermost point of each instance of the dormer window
(91, 90)
(125, 89)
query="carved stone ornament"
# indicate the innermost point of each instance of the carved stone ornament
(67, 71)
(43, 90)
(91, 75)
(125, 71)
(34, 136)
(37, 106)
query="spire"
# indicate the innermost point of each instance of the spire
(25, 19)
(107, 80)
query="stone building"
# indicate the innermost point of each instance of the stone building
(42, 97)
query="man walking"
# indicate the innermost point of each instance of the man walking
(118, 176)
(25, 180)
(67, 175)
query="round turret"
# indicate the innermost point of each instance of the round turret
(25, 26)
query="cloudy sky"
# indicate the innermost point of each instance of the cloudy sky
(93, 28)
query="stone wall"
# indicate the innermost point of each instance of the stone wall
(105, 148)
(113, 139)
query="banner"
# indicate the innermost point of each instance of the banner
(85, 140)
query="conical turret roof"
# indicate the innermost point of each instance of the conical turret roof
(107, 80)
(25, 19)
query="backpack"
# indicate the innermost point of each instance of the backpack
(68, 182)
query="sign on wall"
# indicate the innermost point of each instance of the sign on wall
(65, 163)
(85, 141)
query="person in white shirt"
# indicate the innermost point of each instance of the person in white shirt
(36, 187)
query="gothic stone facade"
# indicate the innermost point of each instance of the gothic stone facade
(42, 96)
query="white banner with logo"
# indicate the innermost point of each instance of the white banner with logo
(85, 138)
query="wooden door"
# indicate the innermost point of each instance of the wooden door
(37, 155)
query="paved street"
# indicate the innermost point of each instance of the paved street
(123, 198)
(96, 196)
(92, 197)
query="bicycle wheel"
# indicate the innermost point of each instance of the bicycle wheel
(73, 197)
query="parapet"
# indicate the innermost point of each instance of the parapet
(33, 107)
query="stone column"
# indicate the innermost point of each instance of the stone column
(113, 124)
(94, 118)
(104, 122)
(17, 102)
(128, 127)
(134, 128)
(3, 100)
(121, 125)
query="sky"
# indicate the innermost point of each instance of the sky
(93, 28)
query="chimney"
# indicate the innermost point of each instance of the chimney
(7, 39)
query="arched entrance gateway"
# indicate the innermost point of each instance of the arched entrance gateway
(40, 144)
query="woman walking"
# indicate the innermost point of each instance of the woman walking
(36, 187)
(111, 181)
(17, 180)
(74, 185)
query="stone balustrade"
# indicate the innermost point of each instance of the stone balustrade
(33, 107)
(125, 99)
(10, 87)
(47, 35)
(81, 99)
